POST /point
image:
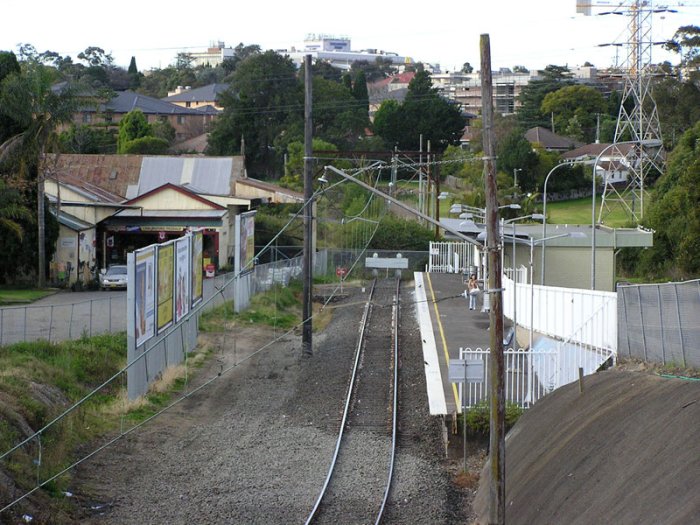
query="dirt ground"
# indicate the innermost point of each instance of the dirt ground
(254, 446)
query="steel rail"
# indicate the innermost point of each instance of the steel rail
(349, 396)
(395, 357)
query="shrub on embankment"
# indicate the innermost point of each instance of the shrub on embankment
(38, 382)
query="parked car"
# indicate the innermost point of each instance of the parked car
(114, 277)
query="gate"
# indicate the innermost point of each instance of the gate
(451, 257)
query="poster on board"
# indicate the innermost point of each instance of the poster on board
(182, 277)
(197, 283)
(165, 285)
(144, 297)
(245, 241)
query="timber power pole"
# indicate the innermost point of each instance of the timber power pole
(497, 444)
(307, 270)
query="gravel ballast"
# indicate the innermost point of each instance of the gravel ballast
(255, 445)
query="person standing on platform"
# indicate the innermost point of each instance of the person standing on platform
(472, 291)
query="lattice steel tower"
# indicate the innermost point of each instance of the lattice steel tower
(638, 126)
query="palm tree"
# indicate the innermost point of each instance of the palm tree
(39, 106)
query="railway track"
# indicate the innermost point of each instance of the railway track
(358, 482)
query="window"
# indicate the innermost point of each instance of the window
(181, 119)
(87, 118)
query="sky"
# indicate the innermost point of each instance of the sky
(532, 34)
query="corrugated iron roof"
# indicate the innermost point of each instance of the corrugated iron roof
(209, 175)
(71, 221)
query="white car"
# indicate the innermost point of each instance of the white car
(114, 277)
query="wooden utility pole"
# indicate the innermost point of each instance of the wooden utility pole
(308, 212)
(497, 444)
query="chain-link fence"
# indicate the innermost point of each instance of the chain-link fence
(60, 322)
(660, 323)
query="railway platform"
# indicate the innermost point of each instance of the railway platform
(446, 325)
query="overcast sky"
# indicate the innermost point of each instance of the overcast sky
(533, 34)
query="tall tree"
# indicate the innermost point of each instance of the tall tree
(133, 126)
(424, 112)
(264, 101)
(8, 65)
(530, 114)
(515, 152)
(674, 213)
(39, 108)
(359, 90)
(134, 75)
(574, 109)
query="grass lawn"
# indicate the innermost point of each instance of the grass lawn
(579, 212)
(21, 295)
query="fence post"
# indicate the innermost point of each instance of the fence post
(641, 322)
(91, 317)
(680, 325)
(70, 324)
(623, 292)
(50, 322)
(661, 324)
(2, 324)
(110, 315)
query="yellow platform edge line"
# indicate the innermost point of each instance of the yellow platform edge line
(444, 341)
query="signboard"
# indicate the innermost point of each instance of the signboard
(466, 370)
(399, 263)
(166, 268)
(183, 277)
(341, 272)
(197, 283)
(144, 298)
(245, 241)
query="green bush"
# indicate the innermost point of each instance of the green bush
(478, 417)
(146, 146)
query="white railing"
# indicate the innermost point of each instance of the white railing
(532, 374)
(558, 312)
(524, 374)
(451, 257)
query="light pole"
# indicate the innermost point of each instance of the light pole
(544, 206)
(484, 238)
(534, 216)
(532, 284)
(641, 143)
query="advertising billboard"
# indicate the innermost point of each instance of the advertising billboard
(144, 298)
(245, 241)
(183, 277)
(197, 262)
(166, 272)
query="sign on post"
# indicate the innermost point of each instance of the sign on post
(466, 371)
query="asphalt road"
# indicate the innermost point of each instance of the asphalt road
(69, 315)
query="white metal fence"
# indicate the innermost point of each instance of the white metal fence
(532, 374)
(587, 317)
(525, 378)
(451, 257)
